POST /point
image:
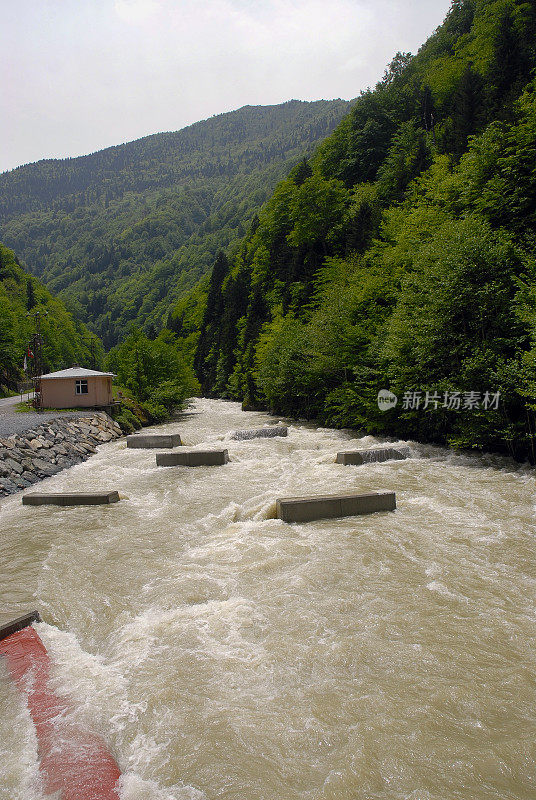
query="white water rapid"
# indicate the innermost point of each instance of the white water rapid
(225, 655)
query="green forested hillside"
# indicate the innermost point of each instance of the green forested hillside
(65, 341)
(401, 256)
(122, 233)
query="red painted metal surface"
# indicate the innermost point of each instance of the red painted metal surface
(73, 761)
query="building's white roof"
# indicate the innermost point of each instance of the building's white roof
(77, 372)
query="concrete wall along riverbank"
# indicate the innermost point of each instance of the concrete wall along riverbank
(48, 447)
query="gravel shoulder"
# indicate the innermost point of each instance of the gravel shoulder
(11, 422)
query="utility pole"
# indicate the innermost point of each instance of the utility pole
(93, 356)
(37, 349)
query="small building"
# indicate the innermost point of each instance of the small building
(76, 387)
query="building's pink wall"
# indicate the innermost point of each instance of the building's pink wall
(61, 392)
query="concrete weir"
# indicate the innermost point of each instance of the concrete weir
(261, 433)
(306, 509)
(18, 624)
(71, 499)
(193, 458)
(74, 762)
(152, 440)
(369, 456)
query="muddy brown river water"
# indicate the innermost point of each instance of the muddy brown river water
(226, 655)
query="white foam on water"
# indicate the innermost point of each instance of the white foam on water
(19, 765)
(441, 589)
(132, 787)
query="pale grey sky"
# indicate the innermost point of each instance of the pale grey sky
(80, 75)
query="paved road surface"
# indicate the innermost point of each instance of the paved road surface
(7, 403)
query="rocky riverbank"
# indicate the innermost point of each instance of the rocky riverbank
(53, 445)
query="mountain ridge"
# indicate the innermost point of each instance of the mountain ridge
(109, 229)
(148, 136)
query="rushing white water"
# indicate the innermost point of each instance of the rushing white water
(226, 655)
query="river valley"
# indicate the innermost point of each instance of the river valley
(226, 655)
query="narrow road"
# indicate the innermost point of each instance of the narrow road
(6, 403)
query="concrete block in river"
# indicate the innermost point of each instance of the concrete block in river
(261, 433)
(369, 456)
(253, 406)
(151, 440)
(193, 458)
(18, 624)
(70, 499)
(306, 509)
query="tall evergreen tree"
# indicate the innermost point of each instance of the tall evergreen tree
(468, 112)
(506, 74)
(31, 302)
(206, 355)
(301, 172)
(428, 111)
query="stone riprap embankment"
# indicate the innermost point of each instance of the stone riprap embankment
(50, 446)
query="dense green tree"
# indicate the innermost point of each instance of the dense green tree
(467, 113)
(65, 340)
(316, 208)
(9, 369)
(281, 373)
(30, 295)
(207, 352)
(301, 172)
(508, 67)
(428, 110)
(373, 123)
(408, 156)
(154, 371)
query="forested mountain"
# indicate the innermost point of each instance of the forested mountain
(122, 233)
(401, 256)
(65, 341)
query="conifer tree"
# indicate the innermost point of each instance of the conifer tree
(468, 111)
(301, 172)
(428, 112)
(8, 367)
(31, 302)
(207, 352)
(506, 70)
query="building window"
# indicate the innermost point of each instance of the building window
(81, 387)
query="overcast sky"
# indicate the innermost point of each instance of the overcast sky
(80, 75)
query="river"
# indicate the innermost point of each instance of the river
(226, 655)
